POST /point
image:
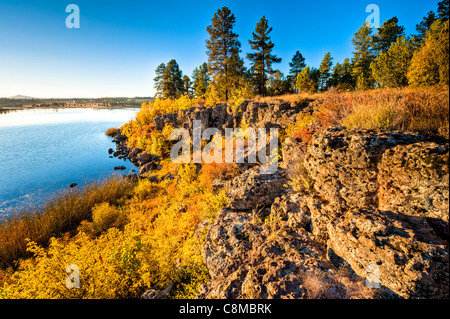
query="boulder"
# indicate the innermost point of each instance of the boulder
(414, 180)
(252, 190)
(344, 163)
(250, 259)
(405, 253)
(131, 177)
(144, 158)
(151, 166)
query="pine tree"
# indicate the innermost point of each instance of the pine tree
(261, 61)
(386, 35)
(187, 86)
(277, 84)
(308, 80)
(390, 68)
(341, 77)
(201, 80)
(362, 57)
(172, 82)
(425, 25)
(324, 71)
(159, 80)
(443, 10)
(297, 65)
(223, 48)
(430, 63)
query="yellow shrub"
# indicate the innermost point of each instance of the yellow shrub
(107, 269)
(105, 216)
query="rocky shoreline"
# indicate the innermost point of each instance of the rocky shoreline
(374, 212)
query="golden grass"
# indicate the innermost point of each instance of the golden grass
(423, 110)
(111, 131)
(60, 214)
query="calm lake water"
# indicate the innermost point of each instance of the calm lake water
(43, 151)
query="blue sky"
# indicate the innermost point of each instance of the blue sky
(120, 43)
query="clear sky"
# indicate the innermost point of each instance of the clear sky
(120, 43)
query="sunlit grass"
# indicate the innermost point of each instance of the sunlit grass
(60, 214)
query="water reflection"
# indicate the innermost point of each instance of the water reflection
(45, 150)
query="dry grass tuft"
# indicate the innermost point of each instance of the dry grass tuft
(111, 131)
(62, 213)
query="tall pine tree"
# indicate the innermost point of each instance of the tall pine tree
(262, 59)
(159, 80)
(296, 66)
(324, 72)
(444, 10)
(386, 35)
(172, 83)
(187, 86)
(425, 25)
(363, 57)
(223, 48)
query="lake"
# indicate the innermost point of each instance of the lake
(43, 151)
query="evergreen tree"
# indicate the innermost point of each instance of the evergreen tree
(362, 57)
(386, 35)
(308, 80)
(261, 61)
(187, 86)
(425, 25)
(159, 80)
(390, 68)
(223, 48)
(341, 77)
(324, 72)
(201, 80)
(346, 77)
(430, 63)
(443, 10)
(172, 81)
(297, 65)
(277, 84)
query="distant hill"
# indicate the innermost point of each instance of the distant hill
(21, 97)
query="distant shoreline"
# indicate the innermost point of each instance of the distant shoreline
(30, 107)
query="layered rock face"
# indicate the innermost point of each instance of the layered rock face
(372, 223)
(376, 216)
(273, 114)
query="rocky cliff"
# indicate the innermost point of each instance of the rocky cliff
(374, 213)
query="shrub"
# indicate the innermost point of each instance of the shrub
(60, 214)
(105, 216)
(111, 131)
(382, 116)
(299, 178)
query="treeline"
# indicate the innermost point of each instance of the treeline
(386, 58)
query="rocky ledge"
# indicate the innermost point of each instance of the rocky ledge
(371, 222)
(375, 216)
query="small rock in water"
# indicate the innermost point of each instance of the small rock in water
(119, 168)
(73, 185)
(110, 151)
